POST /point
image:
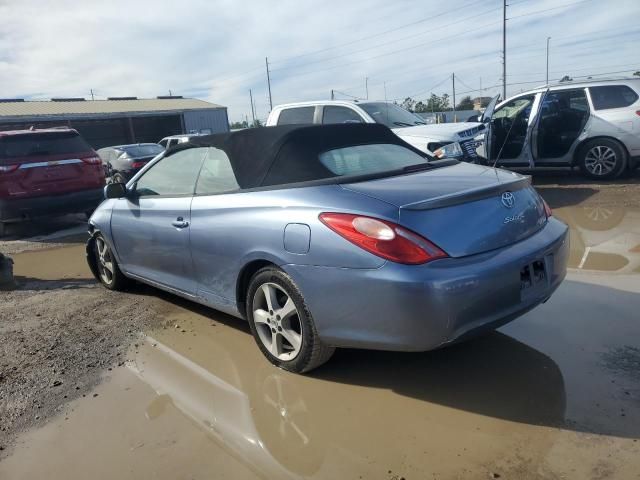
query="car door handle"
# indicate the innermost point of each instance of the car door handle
(180, 223)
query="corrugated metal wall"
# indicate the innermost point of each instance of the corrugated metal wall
(206, 121)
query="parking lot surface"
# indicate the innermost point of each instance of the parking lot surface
(97, 384)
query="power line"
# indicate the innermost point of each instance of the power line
(548, 9)
(384, 44)
(426, 19)
(457, 35)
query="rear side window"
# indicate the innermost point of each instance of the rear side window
(40, 144)
(143, 150)
(216, 175)
(612, 96)
(369, 159)
(296, 116)
(173, 175)
(335, 114)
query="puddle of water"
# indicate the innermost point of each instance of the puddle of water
(603, 238)
(203, 403)
(52, 264)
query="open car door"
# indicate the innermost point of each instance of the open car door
(484, 150)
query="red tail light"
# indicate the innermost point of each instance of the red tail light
(138, 164)
(547, 209)
(8, 168)
(638, 112)
(382, 238)
(92, 160)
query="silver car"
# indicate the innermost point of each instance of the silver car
(332, 236)
(593, 125)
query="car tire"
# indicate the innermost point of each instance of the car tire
(281, 323)
(602, 159)
(109, 273)
(118, 178)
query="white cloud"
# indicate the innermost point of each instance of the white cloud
(215, 49)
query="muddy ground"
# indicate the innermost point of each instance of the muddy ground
(61, 335)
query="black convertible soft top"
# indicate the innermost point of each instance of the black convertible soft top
(286, 154)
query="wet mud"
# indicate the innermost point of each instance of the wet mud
(555, 394)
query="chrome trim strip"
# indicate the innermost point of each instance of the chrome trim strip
(51, 163)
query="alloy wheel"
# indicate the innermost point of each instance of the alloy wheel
(601, 160)
(277, 322)
(105, 261)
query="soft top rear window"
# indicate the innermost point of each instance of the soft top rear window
(369, 159)
(143, 150)
(366, 160)
(41, 144)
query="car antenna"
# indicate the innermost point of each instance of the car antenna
(502, 146)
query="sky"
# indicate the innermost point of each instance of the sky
(215, 49)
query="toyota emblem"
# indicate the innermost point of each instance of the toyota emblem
(508, 199)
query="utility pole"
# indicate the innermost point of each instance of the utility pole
(332, 95)
(170, 94)
(253, 111)
(504, 50)
(92, 94)
(366, 86)
(548, 38)
(266, 61)
(453, 80)
(385, 90)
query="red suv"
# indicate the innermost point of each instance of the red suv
(47, 172)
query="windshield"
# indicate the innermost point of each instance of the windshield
(370, 159)
(37, 144)
(391, 115)
(143, 150)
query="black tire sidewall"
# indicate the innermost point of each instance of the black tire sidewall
(309, 335)
(118, 281)
(605, 142)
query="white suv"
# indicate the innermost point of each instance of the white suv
(451, 140)
(594, 125)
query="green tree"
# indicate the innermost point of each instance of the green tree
(637, 74)
(238, 125)
(257, 123)
(408, 104)
(438, 103)
(465, 104)
(566, 78)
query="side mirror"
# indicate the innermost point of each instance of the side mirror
(115, 190)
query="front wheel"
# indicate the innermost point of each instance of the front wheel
(282, 324)
(109, 273)
(602, 159)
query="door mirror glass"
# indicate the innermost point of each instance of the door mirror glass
(115, 190)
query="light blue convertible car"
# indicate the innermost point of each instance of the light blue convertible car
(332, 236)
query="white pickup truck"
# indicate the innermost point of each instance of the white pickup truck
(451, 140)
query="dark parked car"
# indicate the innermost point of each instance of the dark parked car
(123, 161)
(48, 171)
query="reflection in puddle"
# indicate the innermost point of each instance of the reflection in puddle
(603, 238)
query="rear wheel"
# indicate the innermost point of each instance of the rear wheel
(602, 159)
(282, 324)
(108, 271)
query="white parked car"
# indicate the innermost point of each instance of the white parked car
(593, 125)
(451, 140)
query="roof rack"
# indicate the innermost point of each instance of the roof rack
(122, 98)
(69, 99)
(168, 97)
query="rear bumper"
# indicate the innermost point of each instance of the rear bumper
(23, 208)
(418, 308)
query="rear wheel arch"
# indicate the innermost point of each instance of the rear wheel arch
(244, 279)
(579, 148)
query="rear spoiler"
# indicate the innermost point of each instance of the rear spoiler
(470, 195)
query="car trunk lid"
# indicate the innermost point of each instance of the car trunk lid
(464, 209)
